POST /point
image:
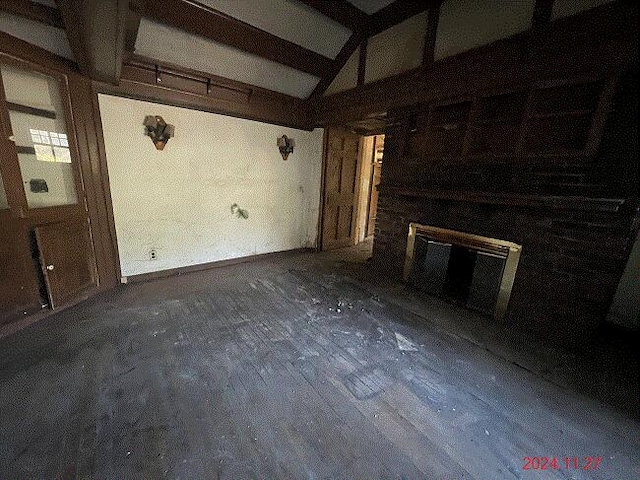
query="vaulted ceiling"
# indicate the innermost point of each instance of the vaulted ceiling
(302, 48)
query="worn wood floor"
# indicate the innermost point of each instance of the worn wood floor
(284, 368)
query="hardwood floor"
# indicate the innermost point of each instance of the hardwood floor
(291, 367)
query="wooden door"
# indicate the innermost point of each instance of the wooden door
(67, 261)
(340, 188)
(42, 199)
(19, 286)
(373, 200)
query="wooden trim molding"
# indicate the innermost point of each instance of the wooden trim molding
(145, 79)
(38, 112)
(583, 204)
(362, 62)
(96, 180)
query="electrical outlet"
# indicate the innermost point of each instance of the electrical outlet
(153, 254)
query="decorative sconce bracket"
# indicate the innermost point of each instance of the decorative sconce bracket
(159, 131)
(285, 145)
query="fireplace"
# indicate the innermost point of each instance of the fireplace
(470, 270)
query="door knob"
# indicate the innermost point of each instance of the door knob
(50, 267)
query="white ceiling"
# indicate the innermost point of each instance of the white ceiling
(290, 20)
(178, 47)
(44, 36)
(370, 6)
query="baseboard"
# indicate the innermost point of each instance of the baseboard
(18, 324)
(145, 277)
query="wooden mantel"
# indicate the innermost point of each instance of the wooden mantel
(534, 201)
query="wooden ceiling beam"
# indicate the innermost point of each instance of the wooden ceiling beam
(340, 11)
(96, 32)
(132, 26)
(131, 31)
(540, 22)
(33, 11)
(198, 19)
(362, 61)
(541, 14)
(431, 35)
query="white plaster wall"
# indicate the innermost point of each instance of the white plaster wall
(288, 19)
(178, 201)
(466, 24)
(397, 49)
(347, 77)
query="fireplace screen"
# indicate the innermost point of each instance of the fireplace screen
(471, 270)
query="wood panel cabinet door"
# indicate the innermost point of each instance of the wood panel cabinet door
(67, 260)
(19, 289)
(340, 188)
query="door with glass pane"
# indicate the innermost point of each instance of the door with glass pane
(42, 189)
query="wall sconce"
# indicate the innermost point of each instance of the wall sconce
(159, 131)
(285, 145)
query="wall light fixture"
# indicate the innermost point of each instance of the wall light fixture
(159, 131)
(285, 145)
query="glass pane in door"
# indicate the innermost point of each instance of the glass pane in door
(38, 124)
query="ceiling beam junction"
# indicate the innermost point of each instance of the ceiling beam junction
(96, 33)
(340, 11)
(385, 18)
